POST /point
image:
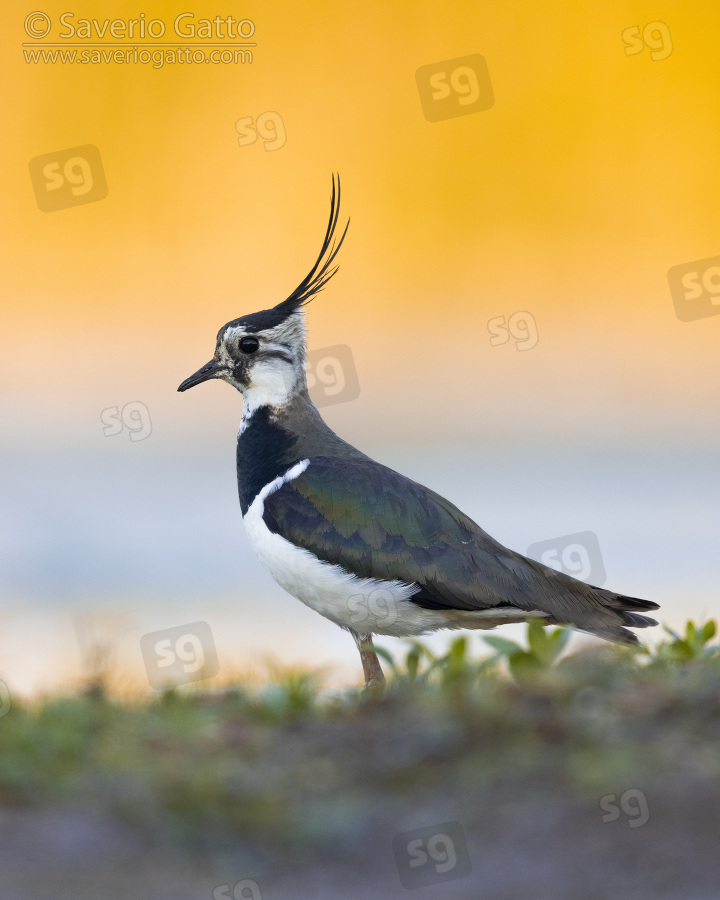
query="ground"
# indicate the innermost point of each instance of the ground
(594, 777)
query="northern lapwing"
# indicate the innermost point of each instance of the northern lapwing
(366, 547)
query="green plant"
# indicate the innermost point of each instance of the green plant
(544, 648)
(694, 644)
(422, 666)
(290, 694)
(413, 669)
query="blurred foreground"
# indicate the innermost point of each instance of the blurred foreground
(510, 777)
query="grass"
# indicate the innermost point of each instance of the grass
(270, 775)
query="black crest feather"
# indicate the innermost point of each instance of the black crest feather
(321, 272)
(314, 281)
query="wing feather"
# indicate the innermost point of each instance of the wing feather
(376, 523)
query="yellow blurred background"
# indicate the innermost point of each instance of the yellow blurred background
(592, 174)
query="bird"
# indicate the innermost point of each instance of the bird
(361, 544)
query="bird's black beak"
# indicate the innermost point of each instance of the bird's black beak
(209, 370)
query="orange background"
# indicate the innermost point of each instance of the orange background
(592, 175)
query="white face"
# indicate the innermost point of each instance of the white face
(268, 366)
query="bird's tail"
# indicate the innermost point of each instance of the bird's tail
(626, 612)
(587, 607)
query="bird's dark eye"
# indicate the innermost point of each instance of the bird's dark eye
(249, 345)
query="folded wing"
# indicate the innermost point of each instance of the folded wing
(376, 523)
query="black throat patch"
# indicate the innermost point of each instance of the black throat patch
(264, 451)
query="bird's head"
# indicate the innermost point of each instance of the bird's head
(263, 354)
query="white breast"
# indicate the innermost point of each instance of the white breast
(364, 605)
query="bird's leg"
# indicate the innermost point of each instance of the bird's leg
(374, 678)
